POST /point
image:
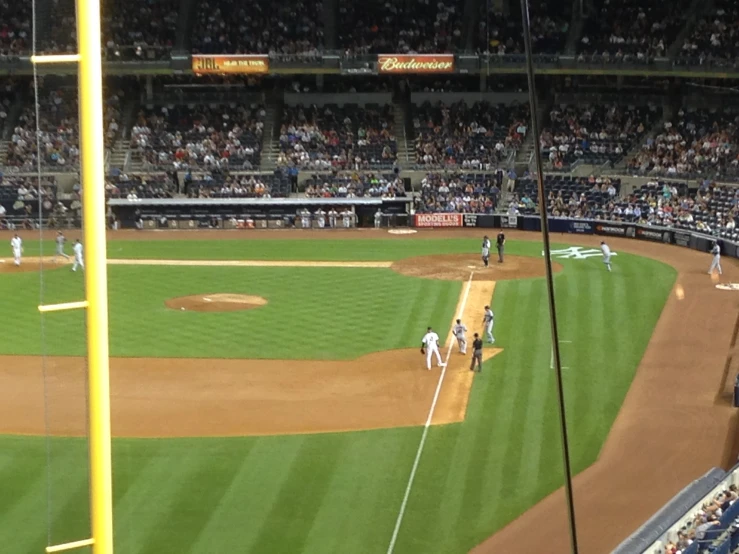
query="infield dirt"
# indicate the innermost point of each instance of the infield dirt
(675, 424)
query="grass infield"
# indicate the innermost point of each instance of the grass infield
(334, 492)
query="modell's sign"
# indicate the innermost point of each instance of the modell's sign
(438, 220)
(415, 63)
(230, 64)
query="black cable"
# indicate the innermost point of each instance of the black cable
(550, 282)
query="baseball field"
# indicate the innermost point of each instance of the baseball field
(269, 396)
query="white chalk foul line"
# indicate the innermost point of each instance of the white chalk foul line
(426, 427)
(551, 354)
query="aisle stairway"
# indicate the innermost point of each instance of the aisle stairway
(404, 143)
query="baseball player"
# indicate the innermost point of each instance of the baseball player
(378, 218)
(716, 263)
(17, 245)
(459, 331)
(305, 218)
(606, 254)
(486, 250)
(430, 346)
(320, 218)
(347, 217)
(333, 215)
(78, 261)
(488, 321)
(60, 240)
(476, 354)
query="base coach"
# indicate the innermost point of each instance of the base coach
(500, 245)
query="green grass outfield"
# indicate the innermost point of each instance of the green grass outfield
(338, 492)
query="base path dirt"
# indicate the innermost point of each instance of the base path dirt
(218, 302)
(459, 266)
(47, 263)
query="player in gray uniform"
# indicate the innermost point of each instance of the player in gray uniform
(716, 263)
(60, 240)
(459, 331)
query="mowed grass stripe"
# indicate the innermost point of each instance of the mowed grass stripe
(383, 460)
(24, 520)
(236, 522)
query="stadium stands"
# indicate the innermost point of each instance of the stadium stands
(458, 193)
(261, 27)
(632, 30)
(576, 197)
(417, 26)
(180, 137)
(356, 185)
(151, 185)
(594, 134)
(342, 137)
(470, 137)
(146, 27)
(15, 27)
(700, 142)
(714, 38)
(234, 185)
(500, 34)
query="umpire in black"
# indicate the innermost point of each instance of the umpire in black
(500, 245)
(476, 354)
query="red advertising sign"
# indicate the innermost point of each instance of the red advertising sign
(415, 63)
(438, 220)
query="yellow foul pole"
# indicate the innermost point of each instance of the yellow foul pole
(92, 160)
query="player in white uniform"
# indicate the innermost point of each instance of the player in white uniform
(460, 330)
(17, 245)
(716, 263)
(78, 261)
(60, 240)
(332, 217)
(430, 346)
(320, 218)
(488, 320)
(305, 218)
(378, 218)
(606, 254)
(347, 215)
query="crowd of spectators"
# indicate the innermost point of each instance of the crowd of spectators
(356, 185)
(479, 136)
(225, 185)
(715, 38)
(632, 30)
(701, 142)
(59, 133)
(143, 29)
(15, 28)
(572, 197)
(458, 193)
(7, 97)
(595, 134)
(19, 201)
(260, 27)
(211, 137)
(499, 34)
(337, 137)
(416, 26)
(134, 187)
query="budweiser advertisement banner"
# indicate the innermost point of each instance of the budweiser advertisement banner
(415, 63)
(230, 64)
(438, 220)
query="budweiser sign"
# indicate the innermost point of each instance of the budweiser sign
(438, 220)
(419, 63)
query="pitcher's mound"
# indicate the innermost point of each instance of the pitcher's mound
(218, 302)
(457, 267)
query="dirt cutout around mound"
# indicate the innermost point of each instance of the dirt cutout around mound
(32, 263)
(218, 302)
(457, 267)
